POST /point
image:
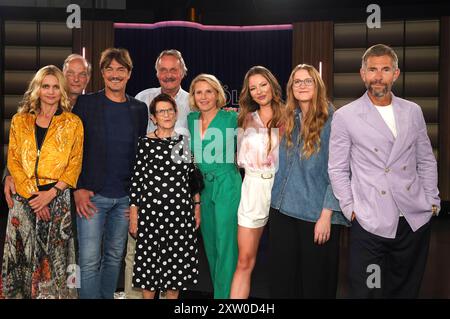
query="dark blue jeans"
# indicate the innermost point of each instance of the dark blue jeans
(100, 265)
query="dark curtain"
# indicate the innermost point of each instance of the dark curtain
(226, 54)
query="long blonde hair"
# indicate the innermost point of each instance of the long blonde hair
(314, 119)
(31, 102)
(248, 105)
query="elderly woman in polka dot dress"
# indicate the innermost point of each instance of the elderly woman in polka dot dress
(165, 210)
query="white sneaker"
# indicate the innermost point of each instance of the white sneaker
(120, 295)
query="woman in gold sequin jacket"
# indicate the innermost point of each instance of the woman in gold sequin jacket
(44, 159)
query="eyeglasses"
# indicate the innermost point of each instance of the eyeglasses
(166, 111)
(305, 82)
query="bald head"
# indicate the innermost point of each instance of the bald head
(77, 71)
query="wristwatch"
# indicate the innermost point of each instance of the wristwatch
(197, 203)
(58, 191)
(435, 210)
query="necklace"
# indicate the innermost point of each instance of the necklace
(174, 134)
(49, 115)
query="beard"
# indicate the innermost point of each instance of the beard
(376, 91)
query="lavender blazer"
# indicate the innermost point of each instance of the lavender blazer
(378, 176)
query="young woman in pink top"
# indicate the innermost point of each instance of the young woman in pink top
(261, 111)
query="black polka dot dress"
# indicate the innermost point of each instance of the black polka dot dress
(166, 247)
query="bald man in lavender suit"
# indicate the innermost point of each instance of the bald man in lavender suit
(384, 174)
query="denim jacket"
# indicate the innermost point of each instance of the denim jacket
(302, 187)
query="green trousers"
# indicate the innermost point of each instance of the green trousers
(220, 201)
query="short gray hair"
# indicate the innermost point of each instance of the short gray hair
(174, 53)
(75, 56)
(380, 50)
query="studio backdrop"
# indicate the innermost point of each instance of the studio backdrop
(224, 51)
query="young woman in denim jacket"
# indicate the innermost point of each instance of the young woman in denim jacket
(305, 217)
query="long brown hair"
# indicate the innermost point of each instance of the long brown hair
(248, 105)
(314, 119)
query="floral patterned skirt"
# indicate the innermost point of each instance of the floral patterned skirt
(39, 257)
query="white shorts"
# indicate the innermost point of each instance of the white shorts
(256, 192)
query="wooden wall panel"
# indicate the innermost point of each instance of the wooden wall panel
(94, 36)
(444, 110)
(350, 35)
(20, 58)
(421, 32)
(53, 55)
(54, 34)
(391, 33)
(313, 43)
(424, 84)
(16, 82)
(21, 33)
(422, 58)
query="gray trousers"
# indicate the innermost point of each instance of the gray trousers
(131, 293)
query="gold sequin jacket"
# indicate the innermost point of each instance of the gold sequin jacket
(60, 157)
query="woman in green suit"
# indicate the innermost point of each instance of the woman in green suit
(213, 142)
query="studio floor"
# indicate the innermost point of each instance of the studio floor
(436, 281)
